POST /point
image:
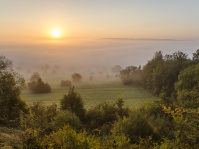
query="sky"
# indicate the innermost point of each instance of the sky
(96, 33)
(34, 19)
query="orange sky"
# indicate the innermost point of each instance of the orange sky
(34, 20)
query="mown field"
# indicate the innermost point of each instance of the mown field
(93, 94)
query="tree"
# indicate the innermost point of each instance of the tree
(102, 116)
(147, 71)
(66, 83)
(11, 84)
(160, 74)
(65, 117)
(148, 120)
(37, 85)
(187, 87)
(131, 75)
(195, 57)
(39, 117)
(76, 77)
(33, 80)
(74, 103)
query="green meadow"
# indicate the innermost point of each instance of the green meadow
(93, 94)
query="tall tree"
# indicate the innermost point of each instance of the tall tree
(11, 84)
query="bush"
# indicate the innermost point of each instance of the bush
(186, 126)
(69, 138)
(74, 103)
(147, 120)
(76, 77)
(30, 139)
(40, 117)
(66, 117)
(37, 85)
(102, 116)
(118, 142)
(66, 83)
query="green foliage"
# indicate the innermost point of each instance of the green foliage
(195, 57)
(102, 116)
(39, 118)
(11, 104)
(66, 117)
(147, 120)
(160, 74)
(147, 71)
(119, 142)
(31, 139)
(69, 138)
(187, 87)
(186, 127)
(120, 103)
(74, 103)
(76, 77)
(37, 85)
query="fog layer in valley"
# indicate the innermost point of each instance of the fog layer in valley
(96, 58)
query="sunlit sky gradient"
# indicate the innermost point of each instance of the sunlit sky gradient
(26, 28)
(173, 19)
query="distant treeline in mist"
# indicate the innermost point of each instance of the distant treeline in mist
(171, 122)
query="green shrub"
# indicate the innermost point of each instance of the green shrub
(69, 138)
(73, 102)
(30, 139)
(112, 141)
(40, 118)
(147, 120)
(102, 116)
(66, 117)
(186, 127)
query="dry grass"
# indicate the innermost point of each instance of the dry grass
(9, 137)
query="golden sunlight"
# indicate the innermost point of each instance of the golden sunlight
(56, 33)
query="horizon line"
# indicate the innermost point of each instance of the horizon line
(160, 39)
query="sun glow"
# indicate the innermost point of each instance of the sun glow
(56, 33)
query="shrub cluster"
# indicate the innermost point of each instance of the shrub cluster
(37, 85)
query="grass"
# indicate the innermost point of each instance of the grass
(9, 137)
(93, 94)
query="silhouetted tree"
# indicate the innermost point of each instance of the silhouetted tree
(66, 83)
(76, 77)
(37, 85)
(131, 75)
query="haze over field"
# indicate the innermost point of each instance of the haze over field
(93, 36)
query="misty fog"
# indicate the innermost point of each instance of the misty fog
(91, 58)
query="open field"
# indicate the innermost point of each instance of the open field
(93, 94)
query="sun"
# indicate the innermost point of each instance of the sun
(56, 33)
